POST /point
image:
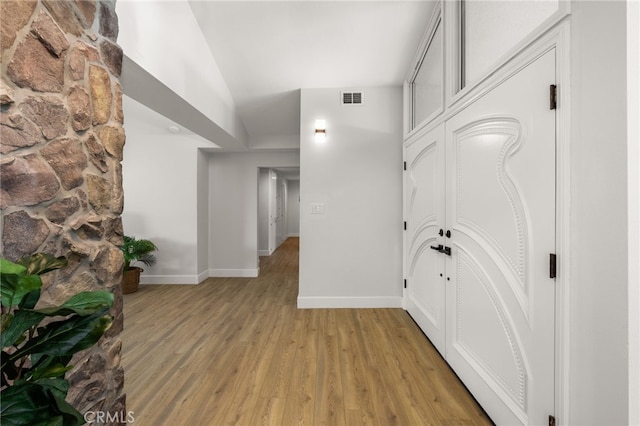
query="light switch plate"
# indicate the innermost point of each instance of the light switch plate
(317, 208)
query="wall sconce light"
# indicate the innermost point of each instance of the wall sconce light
(321, 131)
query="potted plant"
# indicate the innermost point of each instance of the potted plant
(135, 251)
(38, 344)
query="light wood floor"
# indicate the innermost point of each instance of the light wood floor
(237, 351)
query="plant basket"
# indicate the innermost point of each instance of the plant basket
(131, 280)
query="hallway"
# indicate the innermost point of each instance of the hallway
(237, 351)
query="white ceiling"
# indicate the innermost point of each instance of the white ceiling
(268, 50)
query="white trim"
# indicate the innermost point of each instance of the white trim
(551, 22)
(169, 279)
(203, 275)
(230, 273)
(527, 54)
(563, 224)
(633, 179)
(293, 235)
(349, 302)
(452, 53)
(197, 279)
(264, 252)
(435, 22)
(436, 17)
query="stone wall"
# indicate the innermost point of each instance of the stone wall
(61, 140)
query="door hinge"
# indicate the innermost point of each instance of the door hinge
(404, 165)
(405, 225)
(553, 96)
(405, 283)
(552, 265)
(552, 421)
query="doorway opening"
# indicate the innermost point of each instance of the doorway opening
(278, 207)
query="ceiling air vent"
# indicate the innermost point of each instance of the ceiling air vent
(352, 98)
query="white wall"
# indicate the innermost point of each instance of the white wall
(293, 208)
(160, 180)
(351, 256)
(633, 122)
(202, 203)
(233, 208)
(598, 369)
(150, 29)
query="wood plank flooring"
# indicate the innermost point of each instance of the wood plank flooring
(237, 351)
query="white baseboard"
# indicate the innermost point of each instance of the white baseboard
(349, 302)
(293, 235)
(197, 279)
(203, 275)
(264, 253)
(241, 273)
(170, 279)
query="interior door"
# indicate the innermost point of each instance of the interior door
(281, 219)
(273, 211)
(501, 213)
(425, 210)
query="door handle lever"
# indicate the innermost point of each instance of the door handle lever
(442, 249)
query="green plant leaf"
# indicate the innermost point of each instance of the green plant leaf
(30, 300)
(34, 391)
(10, 268)
(83, 303)
(21, 321)
(9, 371)
(135, 250)
(58, 388)
(70, 416)
(65, 337)
(49, 367)
(101, 325)
(40, 403)
(41, 263)
(148, 259)
(21, 282)
(14, 287)
(10, 274)
(5, 321)
(25, 404)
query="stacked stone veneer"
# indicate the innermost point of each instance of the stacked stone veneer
(61, 140)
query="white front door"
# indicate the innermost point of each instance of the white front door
(501, 214)
(482, 292)
(425, 215)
